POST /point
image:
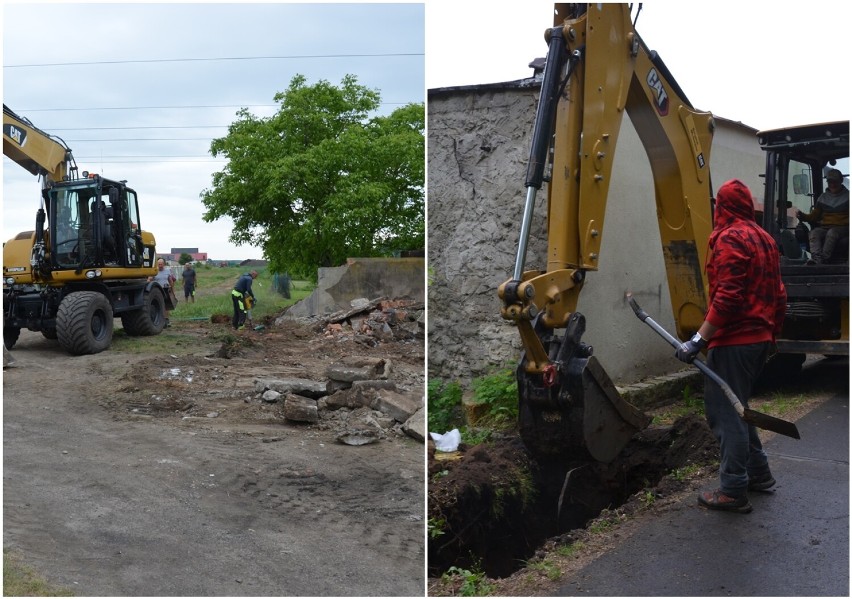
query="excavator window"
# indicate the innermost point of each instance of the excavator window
(69, 226)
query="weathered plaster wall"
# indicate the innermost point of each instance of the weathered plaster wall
(478, 146)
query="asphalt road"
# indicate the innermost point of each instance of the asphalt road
(794, 543)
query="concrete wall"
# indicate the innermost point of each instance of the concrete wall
(478, 146)
(369, 278)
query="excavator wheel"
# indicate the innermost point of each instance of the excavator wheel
(84, 323)
(149, 319)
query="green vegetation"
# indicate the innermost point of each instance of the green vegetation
(212, 297)
(499, 393)
(20, 580)
(691, 404)
(444, 406)
(474, 583)
(435, 526)
(781, 404)
(213, 294)
(546, 567)
(324, 178)
(682, 474)
(569, 550)
(494, 399)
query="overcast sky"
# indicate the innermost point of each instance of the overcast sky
(765, 64)
(149, 117)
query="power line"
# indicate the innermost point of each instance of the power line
(117, 139)
(221, 58)
(145, 127)
(171, 107)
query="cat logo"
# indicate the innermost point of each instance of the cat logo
(19, 136)
(660, 95)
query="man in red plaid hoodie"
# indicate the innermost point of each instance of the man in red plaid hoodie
(745, 313)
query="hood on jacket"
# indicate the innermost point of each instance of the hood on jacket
(733, 202)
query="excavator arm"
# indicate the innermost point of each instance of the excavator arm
(40, 153)
(597, 68)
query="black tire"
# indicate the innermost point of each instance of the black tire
(49, 333)
(149, 319)
(10, 336)
(84, 323)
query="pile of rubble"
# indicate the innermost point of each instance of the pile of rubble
(358, 402)
(381, 320)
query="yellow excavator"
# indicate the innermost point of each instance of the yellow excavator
(88, 259)
(598, 68)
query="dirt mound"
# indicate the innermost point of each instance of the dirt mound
(492, 506)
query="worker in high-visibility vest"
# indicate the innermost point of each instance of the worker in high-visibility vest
(242, 290)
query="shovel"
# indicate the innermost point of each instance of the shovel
(757, 419)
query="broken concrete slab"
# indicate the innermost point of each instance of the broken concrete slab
(306, 387)
(400, 407)
(300, 409)
(355, 368)
(415, 427)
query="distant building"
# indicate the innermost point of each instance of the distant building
(176, 253)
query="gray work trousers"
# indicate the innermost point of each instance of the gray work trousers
(823, 241)
(741, 452)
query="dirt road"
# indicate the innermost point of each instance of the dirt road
(147, 474)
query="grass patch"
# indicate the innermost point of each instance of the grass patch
(494, 398)
(691, 404)
(472, 583)
(444, 406)
(213, 294)
(685, 473)
(20, 580)
(546, 567)
(782, 404)
(569, 550)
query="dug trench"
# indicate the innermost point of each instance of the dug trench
(492, 506)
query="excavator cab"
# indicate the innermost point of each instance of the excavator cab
(798, 160)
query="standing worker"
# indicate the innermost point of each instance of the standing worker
(745, 313)
(166, 279)
(241, 290)
(189, 283)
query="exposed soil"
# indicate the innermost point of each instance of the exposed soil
(498, 506)
(131, 473)
(527, 525)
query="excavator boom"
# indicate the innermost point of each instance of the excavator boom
(40, 153)
(597, 69)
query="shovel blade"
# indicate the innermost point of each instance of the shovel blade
(770, 423)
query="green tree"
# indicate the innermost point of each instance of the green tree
(184, 258)
(321, 180)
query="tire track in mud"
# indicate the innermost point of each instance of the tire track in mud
(132, 508)
(372, 508)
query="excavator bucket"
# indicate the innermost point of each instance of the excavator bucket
(580, 414)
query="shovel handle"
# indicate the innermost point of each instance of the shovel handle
(699, 364)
